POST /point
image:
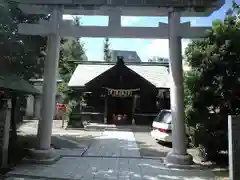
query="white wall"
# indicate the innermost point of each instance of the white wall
(30, 101)
(30, 106)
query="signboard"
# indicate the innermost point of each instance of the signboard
(138, 3)
(121, 92)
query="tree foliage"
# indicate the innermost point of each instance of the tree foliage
(106, 50)
(71, 53)
(20, 54)
(23, 54)
(212, 86)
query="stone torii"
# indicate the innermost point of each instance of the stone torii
(56, 28)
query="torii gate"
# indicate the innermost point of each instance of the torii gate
(56, 28)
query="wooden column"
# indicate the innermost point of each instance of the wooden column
(105, 109)
(133, 109)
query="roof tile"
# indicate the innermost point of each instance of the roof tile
(155, 74)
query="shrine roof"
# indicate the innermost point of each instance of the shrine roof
(156, 74)
(13, 82)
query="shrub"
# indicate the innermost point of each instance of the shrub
(212, 85)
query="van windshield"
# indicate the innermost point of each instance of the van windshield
(164, 117)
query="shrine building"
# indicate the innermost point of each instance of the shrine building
(136, 91)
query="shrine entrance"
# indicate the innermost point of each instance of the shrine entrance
(55, 28)
(120, 110)
(120, 106)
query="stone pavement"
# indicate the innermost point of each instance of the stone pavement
(98, 168)
(114, 144)
(30, 127)
(114, 156)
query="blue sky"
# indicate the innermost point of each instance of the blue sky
(144, 47)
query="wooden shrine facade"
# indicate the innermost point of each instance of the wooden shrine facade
(121, 93)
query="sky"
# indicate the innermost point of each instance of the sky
(145, 48)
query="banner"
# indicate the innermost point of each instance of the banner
(121, 92)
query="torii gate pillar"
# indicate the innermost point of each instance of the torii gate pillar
(178, 156)
(43, 150)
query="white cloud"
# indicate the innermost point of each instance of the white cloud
(128, 20)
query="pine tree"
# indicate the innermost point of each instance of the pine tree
(107, 54)
(72, 52)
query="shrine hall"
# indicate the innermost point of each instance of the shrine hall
(122, 92)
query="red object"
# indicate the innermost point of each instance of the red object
(160, 129)
(62, 107)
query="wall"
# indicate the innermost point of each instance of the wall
(30, 102)
(30, 107)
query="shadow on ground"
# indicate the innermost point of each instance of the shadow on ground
(104, 165)
(148, 147)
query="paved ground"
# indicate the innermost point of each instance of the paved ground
(148, 147)
(111, 154)
(114, 144)
(61, 138)
(88, 168)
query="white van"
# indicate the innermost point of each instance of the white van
(162, 126)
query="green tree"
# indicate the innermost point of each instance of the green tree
(22, 54)
(71, 53)
(106, 50)
(212, 86)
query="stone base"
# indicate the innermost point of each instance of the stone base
(75, 124)
(178, 161)
(133, 122)
(105, 120)
(42, 157)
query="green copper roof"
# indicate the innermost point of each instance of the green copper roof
(15, 83)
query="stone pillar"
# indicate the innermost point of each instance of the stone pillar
(37, 106)
(178, 156)
(6, 123)
(44, 151)
(233, 146)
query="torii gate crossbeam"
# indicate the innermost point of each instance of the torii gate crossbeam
(66, 30)
(56, 28)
